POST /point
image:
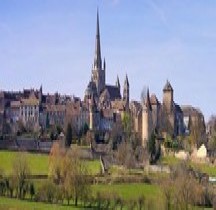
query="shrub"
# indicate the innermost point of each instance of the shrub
(46, 192)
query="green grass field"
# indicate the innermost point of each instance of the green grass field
(130, 191)
(39, 163)
(15, 204)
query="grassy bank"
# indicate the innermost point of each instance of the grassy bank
(15, 204)
(38, 163)
(203, 167)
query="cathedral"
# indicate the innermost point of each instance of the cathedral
(104, 94)
(107, 104)
(105, 101)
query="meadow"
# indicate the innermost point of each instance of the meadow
(15, 204)
(38, 163)
(128, 191)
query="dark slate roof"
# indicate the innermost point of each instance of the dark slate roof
(113, 91)
(91, 89)
(178, 108)
(168, 86)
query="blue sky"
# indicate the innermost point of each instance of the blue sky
(51, 42)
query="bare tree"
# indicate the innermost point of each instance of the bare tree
(187, 189)
(56, 156)
(75, 172)
(68, 170)
(20, 173)
(125, 155)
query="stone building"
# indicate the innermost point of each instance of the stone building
(151, 115)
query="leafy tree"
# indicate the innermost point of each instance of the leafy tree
(68, 138)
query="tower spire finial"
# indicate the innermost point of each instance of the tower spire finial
(97, 58)
(118, 83)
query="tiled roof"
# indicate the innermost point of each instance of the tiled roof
(30, 102)
(154, 100)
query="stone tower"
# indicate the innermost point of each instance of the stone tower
(126, 96)
(168, 97)
(168, 109)
(146, 120)
(98, 73)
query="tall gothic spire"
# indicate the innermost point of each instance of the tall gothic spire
(97, 58)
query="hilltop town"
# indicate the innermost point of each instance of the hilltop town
(102, 107)
(153, 143)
